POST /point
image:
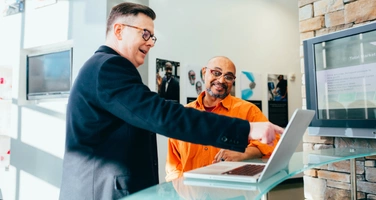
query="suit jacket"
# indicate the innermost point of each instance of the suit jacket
(111, 116)
(173, 90)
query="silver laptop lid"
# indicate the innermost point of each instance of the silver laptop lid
(288, 142)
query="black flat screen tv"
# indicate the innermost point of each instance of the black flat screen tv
(340, 79)
(49, 75)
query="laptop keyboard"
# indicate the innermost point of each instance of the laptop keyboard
(248, 170)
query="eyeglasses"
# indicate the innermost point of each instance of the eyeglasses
(217, 74)
(146, 35)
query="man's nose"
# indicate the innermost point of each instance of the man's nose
(150, 42)
(221, 79)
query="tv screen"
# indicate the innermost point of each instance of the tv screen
(49, 75)
(340, 70)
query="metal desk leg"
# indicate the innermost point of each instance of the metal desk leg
(353, 179)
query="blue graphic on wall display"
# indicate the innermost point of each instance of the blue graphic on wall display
(248, 92)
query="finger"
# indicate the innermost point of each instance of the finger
(223, 155)
(268, 138)
(264, 140)
(218, 156)
(271, 143)
(278, 129)
(222, 158)
(271, 137)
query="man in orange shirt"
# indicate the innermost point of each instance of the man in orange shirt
(219, 76)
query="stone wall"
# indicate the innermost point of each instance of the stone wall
(332, 181)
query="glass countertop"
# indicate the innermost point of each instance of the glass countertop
(188, 188)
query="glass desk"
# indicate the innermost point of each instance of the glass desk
(184, 188)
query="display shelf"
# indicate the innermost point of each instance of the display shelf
(184, 188)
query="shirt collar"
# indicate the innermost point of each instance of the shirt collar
(225, 103)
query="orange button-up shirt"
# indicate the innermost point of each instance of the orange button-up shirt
(184, 156)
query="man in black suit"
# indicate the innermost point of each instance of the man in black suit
(112, 117)
(170, 85)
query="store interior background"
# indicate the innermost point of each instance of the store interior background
(259, 36)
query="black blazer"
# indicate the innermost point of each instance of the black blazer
(111, 116)
(173, 90)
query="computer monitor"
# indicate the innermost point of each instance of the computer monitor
(340, 79)
(49, 75)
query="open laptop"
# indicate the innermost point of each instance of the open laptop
(235, 185)
(279, 160)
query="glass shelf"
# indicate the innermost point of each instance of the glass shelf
(184, 188)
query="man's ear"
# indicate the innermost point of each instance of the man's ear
(203, 71)
(118, 28)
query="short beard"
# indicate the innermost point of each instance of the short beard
(220, 96)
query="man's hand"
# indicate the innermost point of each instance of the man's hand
(264, 131)
(228, 155)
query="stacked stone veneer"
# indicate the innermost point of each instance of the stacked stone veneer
(332, 181)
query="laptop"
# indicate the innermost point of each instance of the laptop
(235, 185)
(279, 160)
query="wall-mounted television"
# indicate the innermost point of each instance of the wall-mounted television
(340, 79)
(49, 74)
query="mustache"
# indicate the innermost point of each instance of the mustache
(219, 84)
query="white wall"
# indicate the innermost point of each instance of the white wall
(259, 36)
(37, 130)
(89, 30)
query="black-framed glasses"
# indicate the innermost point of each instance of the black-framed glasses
(230, 78)
(146, 35)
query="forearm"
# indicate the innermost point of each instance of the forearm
(265, 149)
(252, 152)
(172, 175)
(173, 161)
